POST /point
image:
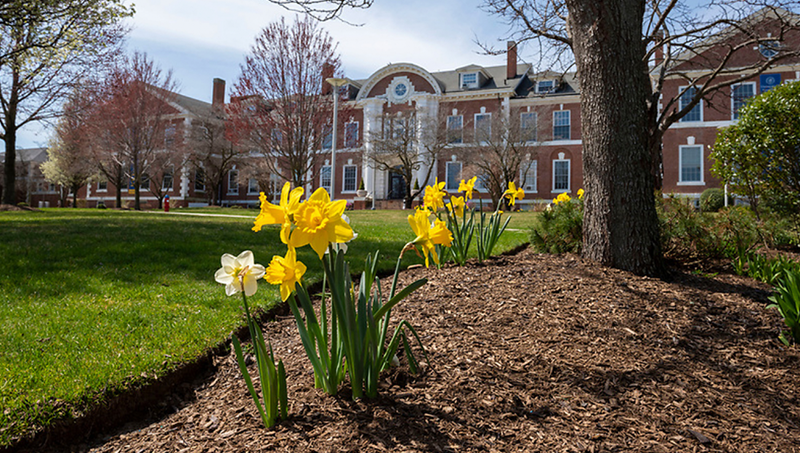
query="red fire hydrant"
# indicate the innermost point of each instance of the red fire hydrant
(166, 203)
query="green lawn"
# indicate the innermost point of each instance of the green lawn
(93, 301)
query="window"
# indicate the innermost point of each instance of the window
(166, 181)
(325, 178)
(452, 175)
(561, 125)
(769, 49)
(199, 180)
(691, 163)
(327, 137)
(144, 182)
(252, 186)
(527, 176)
(102, 186)
(351, 134)
(483, 127)
(528, 126)
(561, 175)
(350, 175)
(469, 80)
(169, 135)
(740, 93)
(545, 86)
(482, 183)
(277, 137)
(686, 96)
(455, 128)
(233, 182)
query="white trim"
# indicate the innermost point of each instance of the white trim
(569, 125)
(533, 169)
(569, 176)
(233, 190)
(321, 172)
(447, 172)
(344, 178)
(706, 124)
(681, 182)
(250, 192)
(475, 125)
(396, 68)
(447, 126)
(535, 116)
(344, 137)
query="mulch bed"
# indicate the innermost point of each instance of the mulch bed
(528, 353)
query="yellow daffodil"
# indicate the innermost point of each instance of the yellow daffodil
(239, 273)
(434, 196)
(513, 193)
(319, 222)
(580, 194)
(286, 271)
(429, 235)
(468, 187)
(561, 198)
(456, 206)
(271, 214)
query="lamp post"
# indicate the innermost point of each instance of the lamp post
(336, 83)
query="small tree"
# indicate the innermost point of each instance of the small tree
(69, 160)
(214, 151)
(405, 145)
(759, 156)
(129, 120)
(278, 105)
(505, 154)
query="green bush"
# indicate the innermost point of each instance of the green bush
(560, 228)
(712, 200)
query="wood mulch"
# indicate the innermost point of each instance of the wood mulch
(528, 353)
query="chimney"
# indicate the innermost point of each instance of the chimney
(511, 63)
(658, 58)
(218, 97)
(327, 73)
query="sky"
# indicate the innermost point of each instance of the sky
(203, 39)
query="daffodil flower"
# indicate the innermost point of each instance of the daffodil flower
(286, 271)
(580, 194)
(513, 193)
(282, 214)
(434, 196)
(239, 273)
(429, 235)
(456, 206)
(468, 187)
(319, 222)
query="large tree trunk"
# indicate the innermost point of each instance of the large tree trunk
(620, 220)
(10, 170)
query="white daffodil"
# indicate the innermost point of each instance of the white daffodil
(239, 273)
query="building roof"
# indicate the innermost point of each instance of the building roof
(28, 155)
(450, 83)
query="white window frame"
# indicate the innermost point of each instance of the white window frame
(202, 186)
(144, 183)
(454, 186)
(322, 184)
(534, 123)
(169, 135)
(171, 175)
(542, 90)
(568, 125)
(681, 182)
(250, 189)
(526, 176)
(344, 178)
(569, 175)
(327, 138)
(699, 105)
(347, 142)
(103, 188)
(733, 99)
(488, 131)
(233, 189)
(471, 84)
(460, 129)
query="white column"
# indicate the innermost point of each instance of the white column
(373, 110)
(427, 109)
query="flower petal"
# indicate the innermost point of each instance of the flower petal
(228, 260)
(223, 277)
(250, 285)
(246, 258)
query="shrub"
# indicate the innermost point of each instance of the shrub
(787, 300)
(560, 228)
(712, 200)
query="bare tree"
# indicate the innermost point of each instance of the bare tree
(214, 151)
(405, 145)
(323, 10)
(69, 160)
(622, 121)
(130, 119)
(278, 105)
(46, 48)
(504, 154)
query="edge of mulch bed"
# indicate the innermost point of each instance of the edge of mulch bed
(150, 399)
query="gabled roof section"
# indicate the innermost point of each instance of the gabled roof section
(377, 76)
(183, 104)
(496, 76)
(566, 84)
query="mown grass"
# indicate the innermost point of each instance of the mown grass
(92, 301)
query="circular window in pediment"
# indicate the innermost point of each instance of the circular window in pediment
(400, 89)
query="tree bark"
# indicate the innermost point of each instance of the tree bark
(10, 170)
(620, 220)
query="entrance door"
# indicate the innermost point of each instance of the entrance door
(397, 186)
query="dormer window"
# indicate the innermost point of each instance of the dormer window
(545, 86)
(469, 80)
(769, 49)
